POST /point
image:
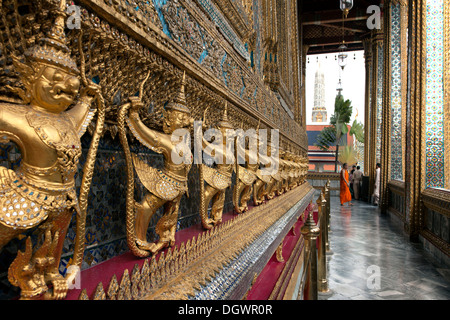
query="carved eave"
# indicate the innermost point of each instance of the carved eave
(237, 17)
(156, 41)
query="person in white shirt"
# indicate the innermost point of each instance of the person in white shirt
(356, 180)
(376, 191)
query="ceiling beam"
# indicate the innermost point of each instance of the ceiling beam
(334, 49)
(330, 41)
(342, 28)
(331, 16)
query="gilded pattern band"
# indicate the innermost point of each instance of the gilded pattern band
(434, 107)
(447, 94)
(386, 125)
(404, 76)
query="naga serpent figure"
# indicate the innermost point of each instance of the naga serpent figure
(165, 186)
(217, 179)
(40, 195)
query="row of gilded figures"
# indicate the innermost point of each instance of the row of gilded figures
(41, 193)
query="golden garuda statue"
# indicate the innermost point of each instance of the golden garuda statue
(165, 186)
(275, 177)
(40, 195)
(292, 171)
(245, 175)
(296, 171)
(217, 179)
(284, 175)
(264, 176)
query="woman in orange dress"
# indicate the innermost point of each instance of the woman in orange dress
(345, 195)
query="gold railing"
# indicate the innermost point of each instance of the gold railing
(314, 276)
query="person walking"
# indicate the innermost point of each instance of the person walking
(356, 179)
(350, 179)
(376, 190)
(345, 195)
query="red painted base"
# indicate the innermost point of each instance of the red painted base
(269, 276)
(104, 271)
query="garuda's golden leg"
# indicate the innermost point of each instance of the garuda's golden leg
(237, 190)
(245, 198)
(269, 192)
(59, 223)
(258, 189)
(144, 212)
(240, 196)
(279, 186)
(210, 192)
(167, 225)
(217, 207)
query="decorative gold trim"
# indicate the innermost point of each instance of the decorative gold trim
(397, 187)
(99, 293)
(436, 241)
(404, 74)
(446, 82)
(180, 271)
(322, 176)
(437, 200)
(295, 259)
(386, 123)
(279, 253)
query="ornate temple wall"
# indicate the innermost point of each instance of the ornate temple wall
(414, 132)
(230, 50)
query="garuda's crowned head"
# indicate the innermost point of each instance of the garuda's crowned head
(225, 127)
(176, 113)
(49, 74)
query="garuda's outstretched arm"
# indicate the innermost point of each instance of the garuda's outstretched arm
(150, 138)
(83, 112)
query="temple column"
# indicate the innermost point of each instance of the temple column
(394, 97)
(376, 99)
(367, 129)
(303, 85)
(415, 125)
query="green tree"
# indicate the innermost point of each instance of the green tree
(339, 120)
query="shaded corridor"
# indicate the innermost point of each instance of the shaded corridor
(365, 244)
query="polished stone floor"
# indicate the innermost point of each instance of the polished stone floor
(372, 260)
